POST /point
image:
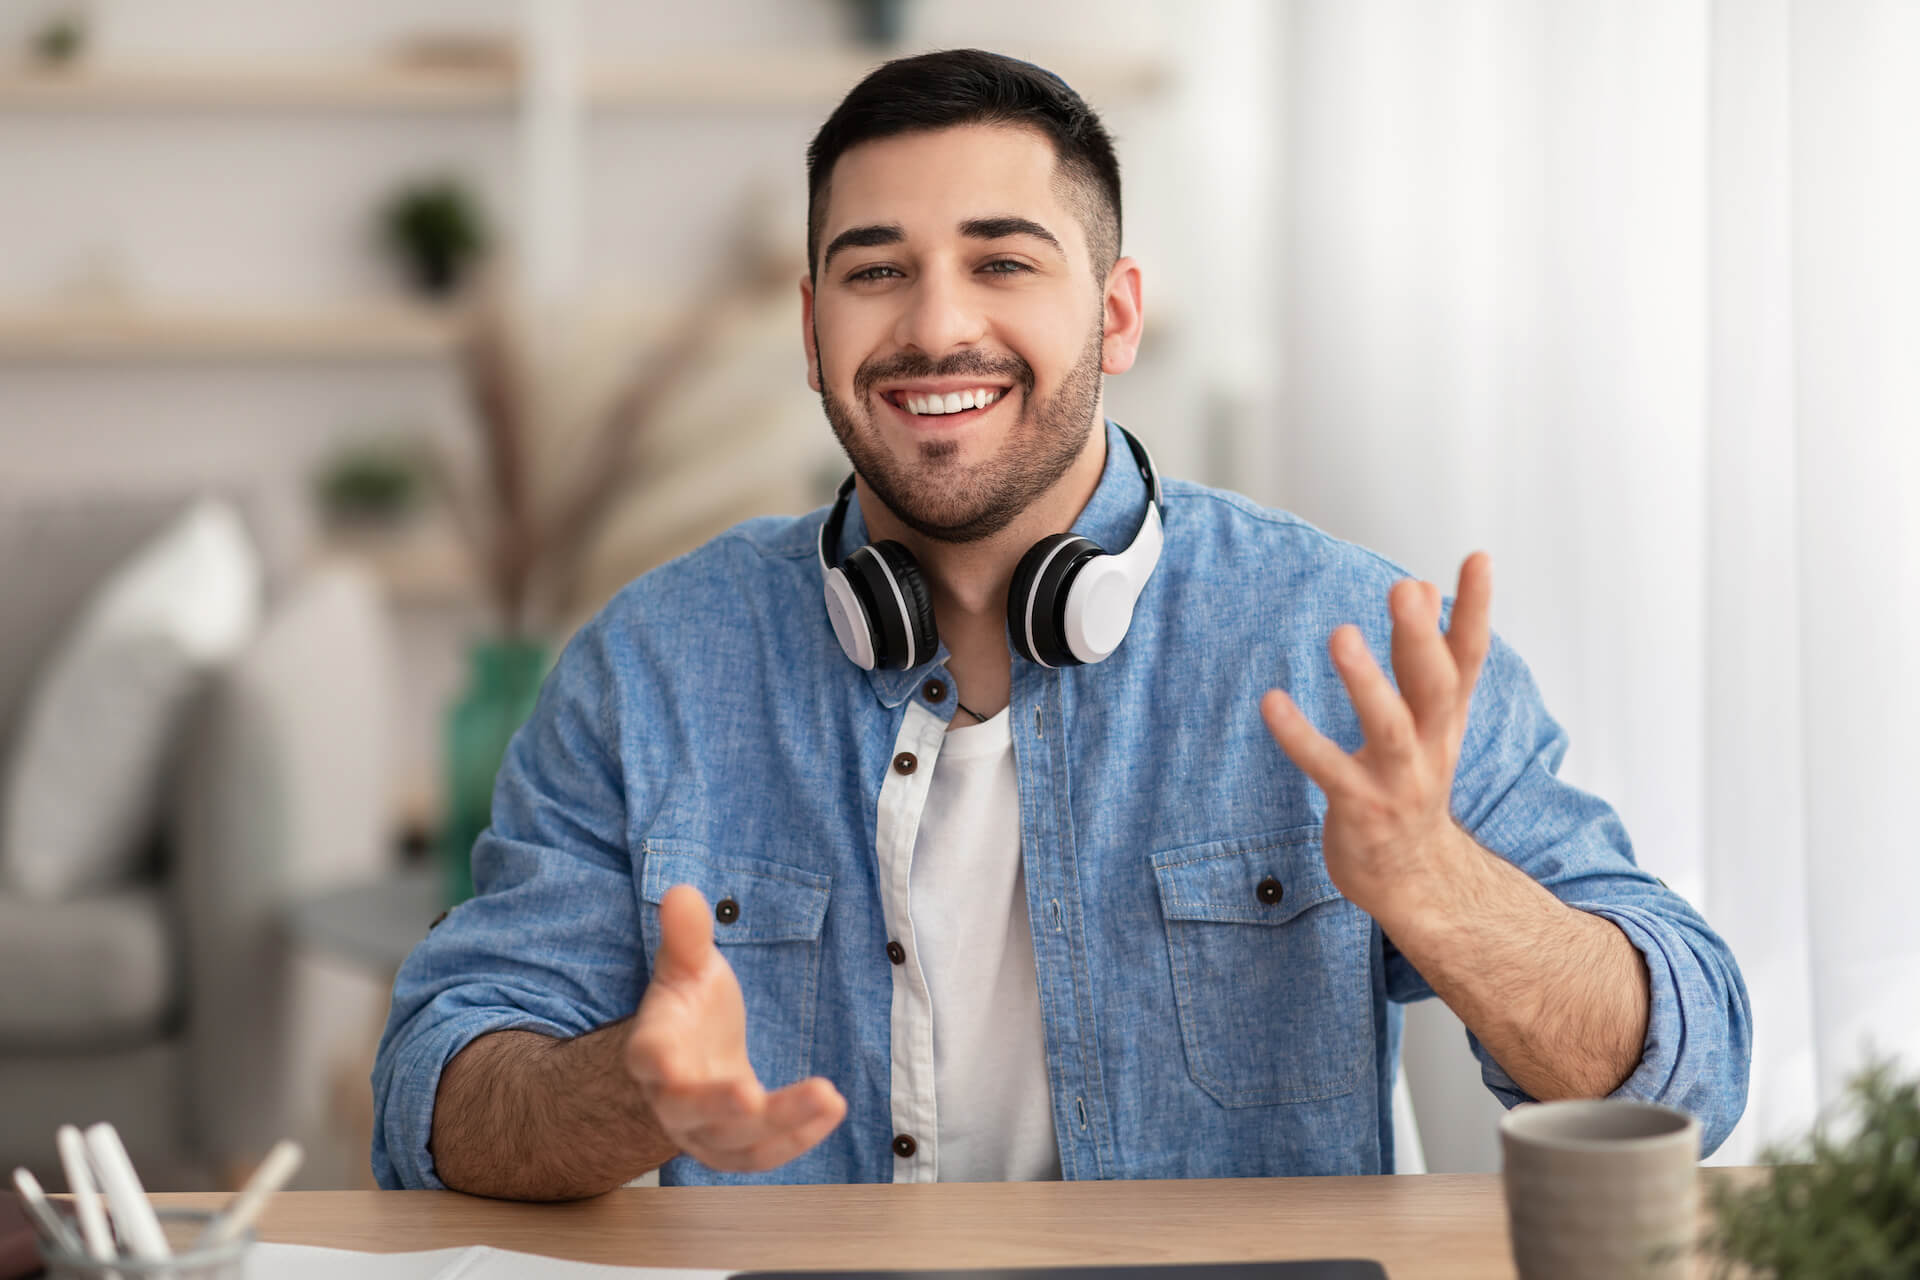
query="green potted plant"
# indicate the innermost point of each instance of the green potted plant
(62, 38)
(1843, 1205)
(878, 24)
(371, 485)
(436, 229)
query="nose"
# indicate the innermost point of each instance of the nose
(939, 316)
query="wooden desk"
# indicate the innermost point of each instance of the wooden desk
(1423, 1227)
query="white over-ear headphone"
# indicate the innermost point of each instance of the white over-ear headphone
(1070, 602)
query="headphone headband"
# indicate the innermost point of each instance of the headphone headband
(830, 531)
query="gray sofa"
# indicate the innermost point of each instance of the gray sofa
(164, 1004)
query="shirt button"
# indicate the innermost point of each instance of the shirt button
(904, 1146)
(726, 911)
(1269, 891)
(905, 762)
(896, 953)
(935, 691)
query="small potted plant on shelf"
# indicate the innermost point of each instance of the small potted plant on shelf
(371, 485)
(878, 24)
(1845, 1203)
(60, 40)
(436, 231)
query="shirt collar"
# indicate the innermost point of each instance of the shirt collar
(1110, 519)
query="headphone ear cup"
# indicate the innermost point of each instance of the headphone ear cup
(851, 619)
(889, 584)
(913, 587)
(1036, 600)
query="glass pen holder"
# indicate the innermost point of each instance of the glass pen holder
(183, 1228)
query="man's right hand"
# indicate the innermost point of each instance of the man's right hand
(688, 1053)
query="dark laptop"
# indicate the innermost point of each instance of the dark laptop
(1313, 1269)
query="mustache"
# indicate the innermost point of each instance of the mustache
(968, 364)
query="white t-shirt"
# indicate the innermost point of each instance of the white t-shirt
(969, 909)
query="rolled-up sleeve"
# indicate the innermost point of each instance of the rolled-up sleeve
(1507, 793)
(551, 940)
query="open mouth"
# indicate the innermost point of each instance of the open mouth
(933, 408)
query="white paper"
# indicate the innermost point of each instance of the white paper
(474, 1262)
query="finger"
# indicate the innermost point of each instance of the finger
(733, 1123)
(1468, 632)
(802, 1101)
(1317, 756)
(1422, 663)
(777, 1150)
(686, 934)
(706, 1103)
(775, 1113)
(1384, 717)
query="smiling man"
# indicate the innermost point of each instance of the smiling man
(1021, 815)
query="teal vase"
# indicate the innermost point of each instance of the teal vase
(503, 679)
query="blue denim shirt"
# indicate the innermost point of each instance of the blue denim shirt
(705, 728)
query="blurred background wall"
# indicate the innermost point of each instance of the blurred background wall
(1623, 292)
(223, 195)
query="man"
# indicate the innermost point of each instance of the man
(991, 867)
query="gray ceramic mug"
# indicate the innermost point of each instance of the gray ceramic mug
(1601, 1190)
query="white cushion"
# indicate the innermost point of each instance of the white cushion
(84, 780)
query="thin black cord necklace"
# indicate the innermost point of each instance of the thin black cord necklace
(970, 711)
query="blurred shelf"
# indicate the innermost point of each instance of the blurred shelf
(731, 78)
(820, 78)
(338, 331)
(260, 84)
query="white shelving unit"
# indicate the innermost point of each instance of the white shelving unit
(255, 85)
(747, 79)
(171, 383)
(161, 329)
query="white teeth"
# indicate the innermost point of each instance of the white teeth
(952, 402)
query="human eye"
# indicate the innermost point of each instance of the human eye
(868, 273)
(1016, 266)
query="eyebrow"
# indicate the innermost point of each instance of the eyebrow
(996, 228)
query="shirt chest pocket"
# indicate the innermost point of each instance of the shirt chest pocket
(1270, 970)
(768, 919)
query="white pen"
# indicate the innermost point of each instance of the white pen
(280, 1164)
(126, 1198)
(50, 1222)
(86, 1200)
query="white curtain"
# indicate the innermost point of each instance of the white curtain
(1628, 293)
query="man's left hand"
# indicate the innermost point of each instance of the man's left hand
(1389, 837)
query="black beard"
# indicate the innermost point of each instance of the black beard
(938, 499)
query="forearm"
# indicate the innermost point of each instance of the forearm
(1558, 996)
(522, 1116)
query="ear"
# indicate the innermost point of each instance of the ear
(1121, 317)
(806, 332)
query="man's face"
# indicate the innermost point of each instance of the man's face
(955, 264)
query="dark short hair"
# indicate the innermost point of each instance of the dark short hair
(971, 86)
